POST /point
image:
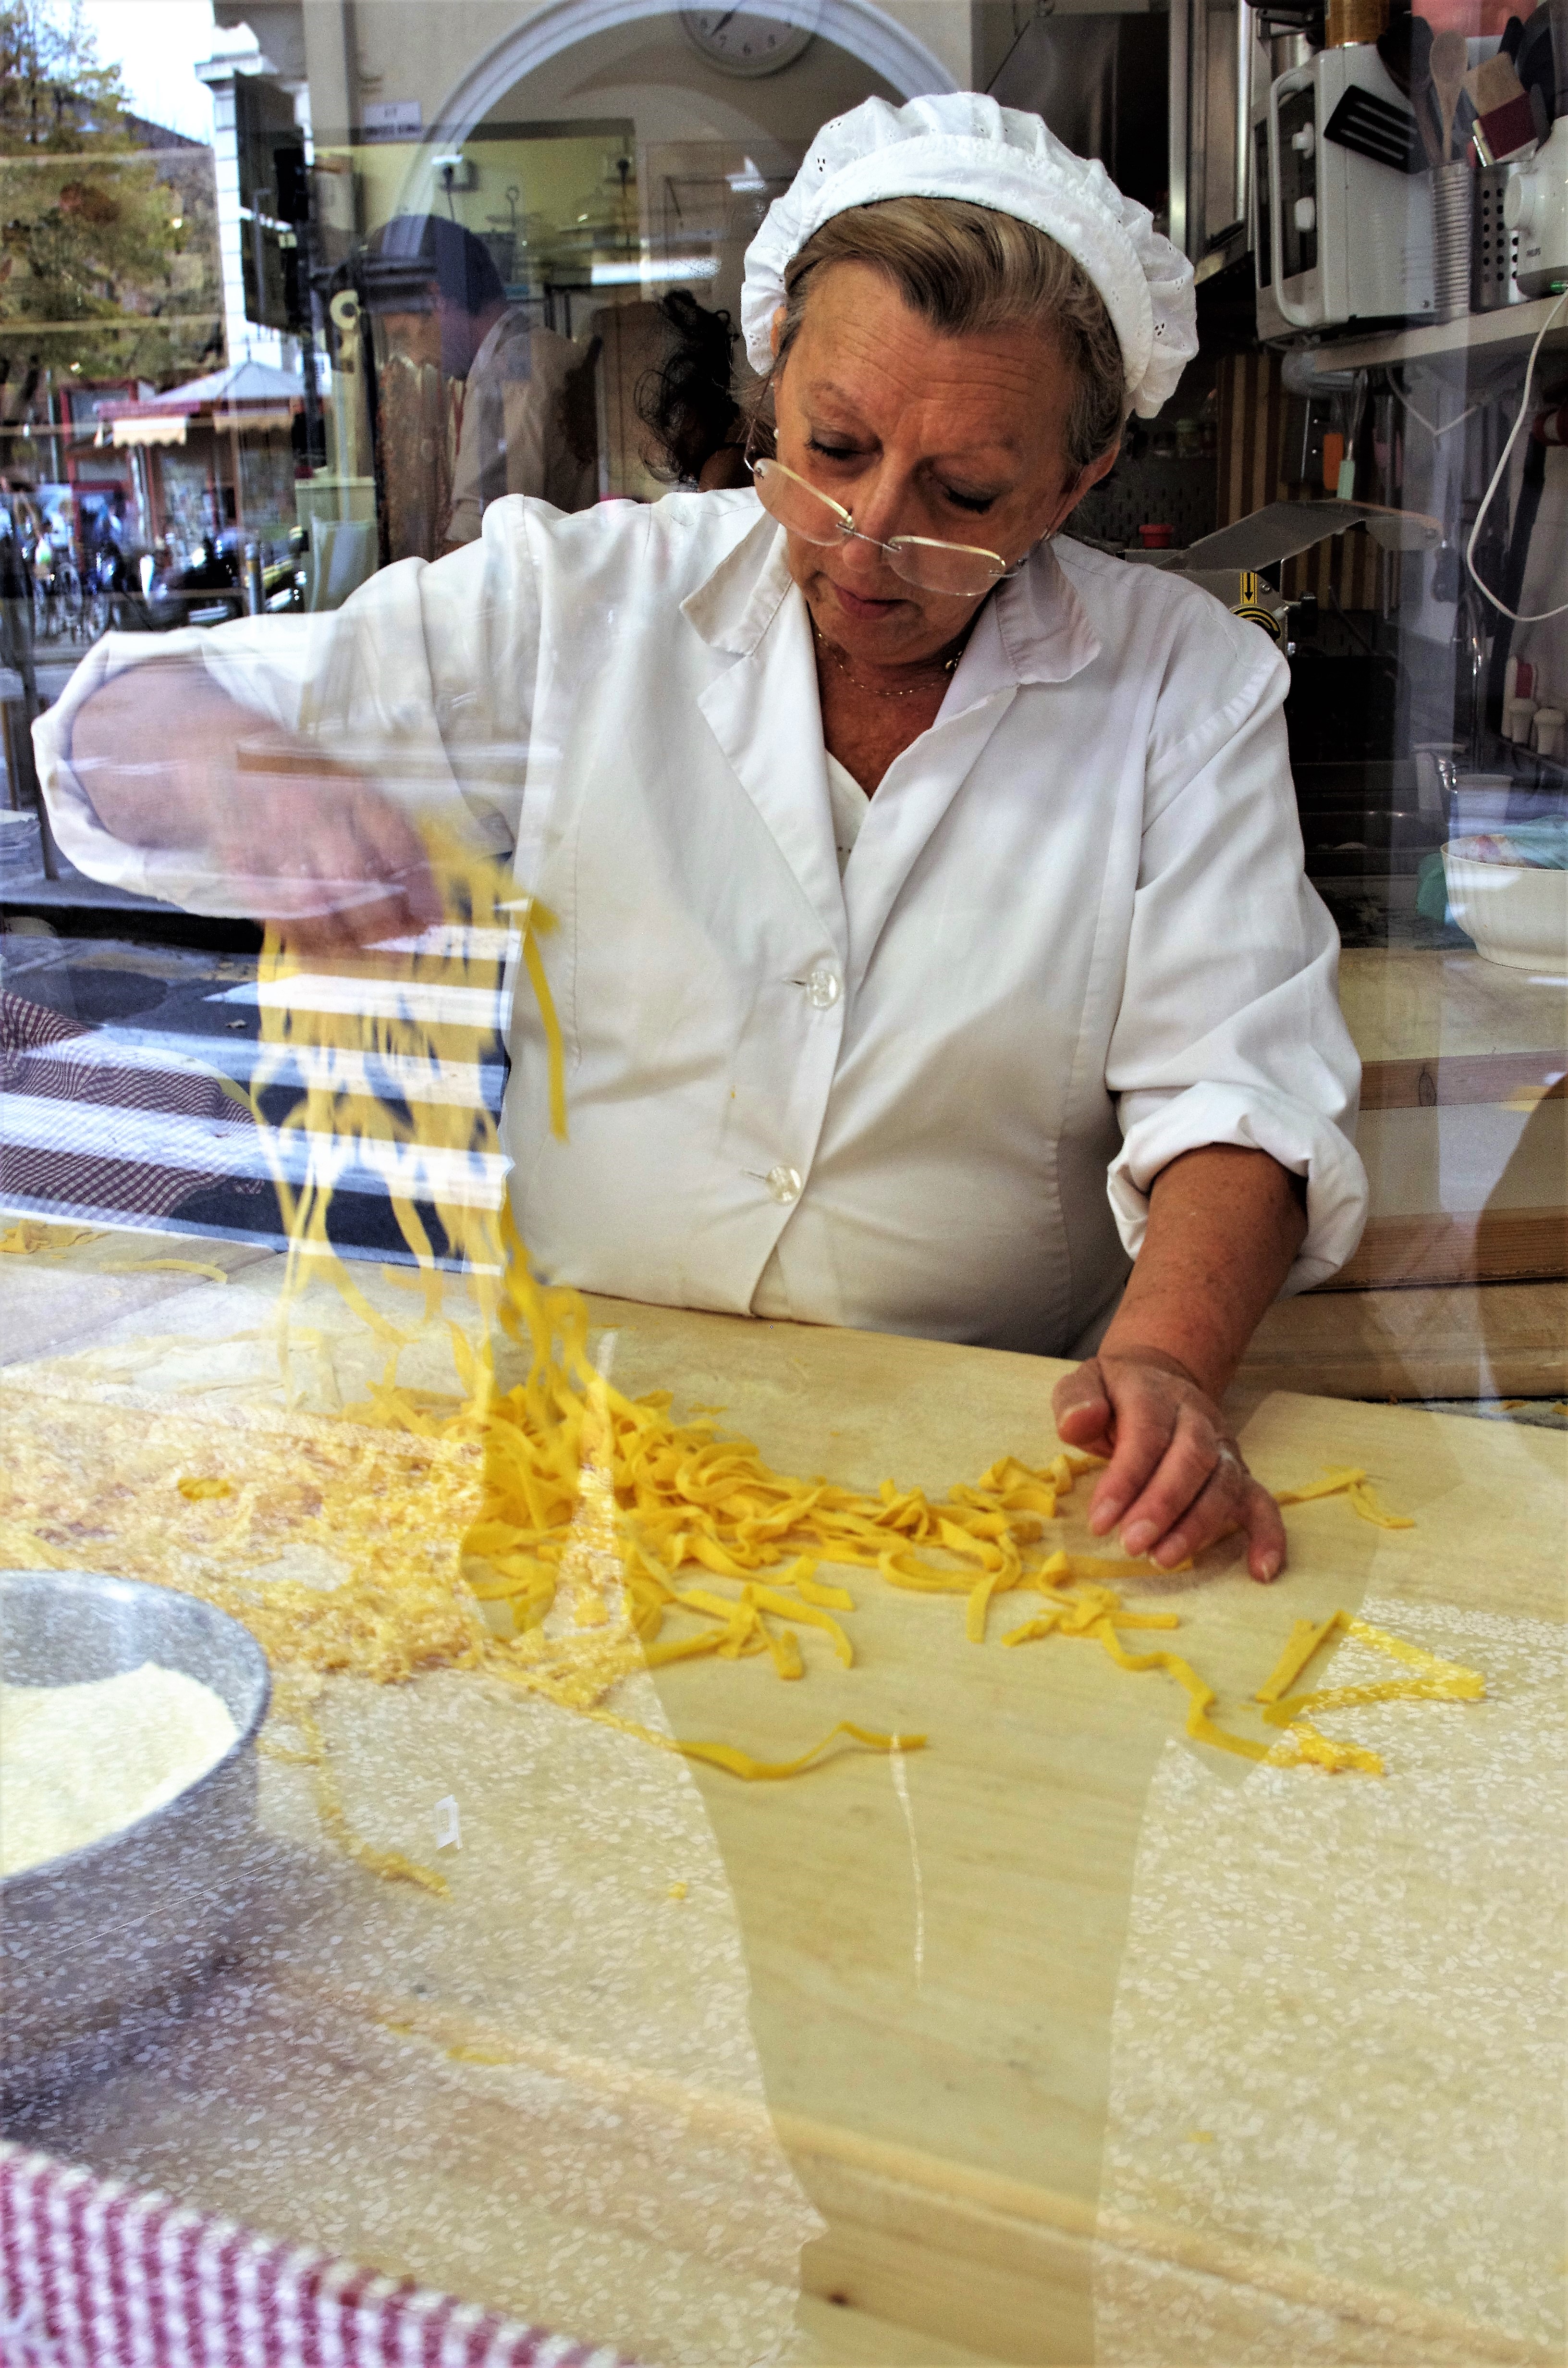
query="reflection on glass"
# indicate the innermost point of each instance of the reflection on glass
(741, 1856)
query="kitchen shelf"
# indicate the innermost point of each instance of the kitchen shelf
(1498, 336)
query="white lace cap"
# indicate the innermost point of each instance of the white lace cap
(961, 144)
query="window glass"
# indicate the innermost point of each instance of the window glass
(754, 1018)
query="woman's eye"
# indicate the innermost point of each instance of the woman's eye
(830, 451)
(978, 504)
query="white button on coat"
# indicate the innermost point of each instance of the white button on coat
(1073, 938)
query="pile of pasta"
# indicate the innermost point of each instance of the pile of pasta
(547, 1529)
(611, 1536)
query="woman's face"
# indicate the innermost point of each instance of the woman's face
(917, 432)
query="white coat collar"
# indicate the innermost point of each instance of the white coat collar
(764, 713)
(1041, 630)
(734, 605)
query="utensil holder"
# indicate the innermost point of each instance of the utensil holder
(1453, 216)
(1496, 248)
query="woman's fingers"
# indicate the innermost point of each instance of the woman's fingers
(1146, 1416)
(1212, 1511)
(1265, 1536)
(330, 860)
(1176, 1481)
(1189, 1467)
(1232, 1500)
(1226, 1500)
(1081, 1407)
(396, 854)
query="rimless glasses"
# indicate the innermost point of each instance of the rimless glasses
(959, 568)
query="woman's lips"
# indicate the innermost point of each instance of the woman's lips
(853, 605)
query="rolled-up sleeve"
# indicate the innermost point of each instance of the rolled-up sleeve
(421, 683)
(1229, 1029)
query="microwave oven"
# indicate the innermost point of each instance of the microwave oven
(1340, 236)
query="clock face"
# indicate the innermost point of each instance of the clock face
(746, 40)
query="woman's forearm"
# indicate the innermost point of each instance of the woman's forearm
(1225, 1224)
(288, 834)
(154, 751)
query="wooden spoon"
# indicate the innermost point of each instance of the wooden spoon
(1450, 57)
(1406, 49)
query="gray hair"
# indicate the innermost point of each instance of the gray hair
(968, 269)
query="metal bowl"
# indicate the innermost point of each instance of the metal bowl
(89, 1940)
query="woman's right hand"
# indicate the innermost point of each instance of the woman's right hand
(286, 833)
(326, 857)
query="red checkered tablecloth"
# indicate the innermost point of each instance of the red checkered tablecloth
(98, 2274)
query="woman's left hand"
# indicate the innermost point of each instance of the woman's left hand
(1175, 1480)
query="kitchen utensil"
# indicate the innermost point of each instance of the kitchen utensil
(1492, 83)
(1504, 120)
(1506, 130)
(1495, 249)
(98, 1935)
(1453, 218)
(1450, 60)
(1405, 53)
(1535, 206)
(1373, 127)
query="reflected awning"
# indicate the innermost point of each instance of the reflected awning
(169, 429)
(274, 421)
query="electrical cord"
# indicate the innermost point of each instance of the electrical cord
(1420, 417)
(1043, 10)
(1540, 615)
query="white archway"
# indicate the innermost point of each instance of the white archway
(858, 26)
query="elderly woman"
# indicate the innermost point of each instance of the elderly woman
(933, 937)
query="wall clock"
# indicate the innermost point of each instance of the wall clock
(746, 40)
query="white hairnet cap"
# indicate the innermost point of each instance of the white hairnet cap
(961, 144)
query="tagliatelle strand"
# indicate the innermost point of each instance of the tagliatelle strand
(1353, 1484)
(1303, 1641)
(741, 1763)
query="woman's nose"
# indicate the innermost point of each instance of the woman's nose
(875, 507)
(862, 556)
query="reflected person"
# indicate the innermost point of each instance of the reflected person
(525, 402)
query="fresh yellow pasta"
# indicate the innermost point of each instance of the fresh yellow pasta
(546, 1529)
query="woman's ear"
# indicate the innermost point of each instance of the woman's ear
(1088, 478)
(776, 331)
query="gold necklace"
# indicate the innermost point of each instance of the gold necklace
(874, 691)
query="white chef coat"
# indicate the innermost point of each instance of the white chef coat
(847, 803)
(1072, 940)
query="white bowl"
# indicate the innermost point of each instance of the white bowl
(1517, 913)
